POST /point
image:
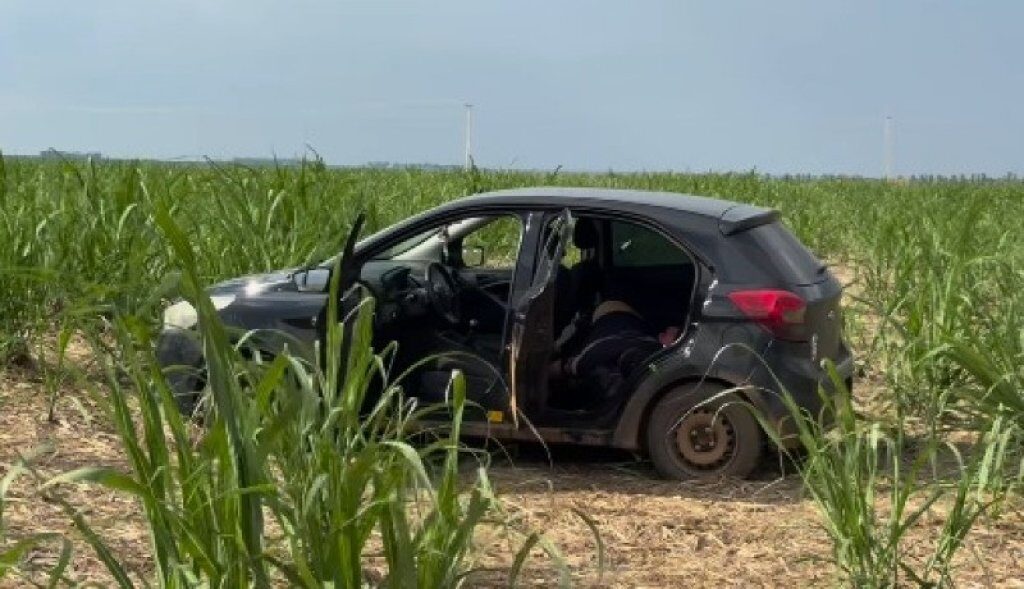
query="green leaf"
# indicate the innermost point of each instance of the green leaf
(107, 477)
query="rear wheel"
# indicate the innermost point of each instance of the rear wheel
(697, 431)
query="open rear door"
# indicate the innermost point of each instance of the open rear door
(533, 340)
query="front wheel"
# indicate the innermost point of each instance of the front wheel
(188, 385)
(699, 431)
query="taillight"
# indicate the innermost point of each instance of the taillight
(779, 311)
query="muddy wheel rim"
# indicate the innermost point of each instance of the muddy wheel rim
(705, 440)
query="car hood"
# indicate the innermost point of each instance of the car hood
(254, 285)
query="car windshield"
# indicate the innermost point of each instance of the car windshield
(407, 244)
(395, 250)
(413, 241)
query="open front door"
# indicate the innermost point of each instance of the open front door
(533, 340)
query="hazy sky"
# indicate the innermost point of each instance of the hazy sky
(779, 86)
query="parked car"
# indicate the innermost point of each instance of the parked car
(521, 280)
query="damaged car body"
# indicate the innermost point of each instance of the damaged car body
(630, 319)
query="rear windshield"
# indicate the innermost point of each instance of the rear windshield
(790, 256)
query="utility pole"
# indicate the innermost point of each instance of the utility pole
(469, 135)
(888, 148)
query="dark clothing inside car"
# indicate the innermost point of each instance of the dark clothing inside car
(617, 342)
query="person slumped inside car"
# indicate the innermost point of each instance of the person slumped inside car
(617, 342)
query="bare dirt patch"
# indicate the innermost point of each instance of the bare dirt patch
(78, 437)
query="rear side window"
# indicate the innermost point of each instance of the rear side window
(787, 254)
(637, 246)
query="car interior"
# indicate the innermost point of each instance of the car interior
(616, 260)
(445, 293)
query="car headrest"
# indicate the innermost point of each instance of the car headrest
(584, 235)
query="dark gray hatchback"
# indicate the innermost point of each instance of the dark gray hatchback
(630, 319)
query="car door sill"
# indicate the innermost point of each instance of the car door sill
(508, 431)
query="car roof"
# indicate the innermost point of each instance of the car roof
(732, 216)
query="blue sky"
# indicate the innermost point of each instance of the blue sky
(779, 86)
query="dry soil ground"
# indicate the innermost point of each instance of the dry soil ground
(656, 533)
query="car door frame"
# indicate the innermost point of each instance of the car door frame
(517, 426)
(526, 260)
(526, 355)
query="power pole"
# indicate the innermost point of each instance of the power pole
(469, 135)
(888, 148)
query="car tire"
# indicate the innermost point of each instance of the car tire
(699, 431)
(187, 388)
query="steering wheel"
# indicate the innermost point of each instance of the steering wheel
(443, 293)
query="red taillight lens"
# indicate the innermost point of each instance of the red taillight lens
(779, 311)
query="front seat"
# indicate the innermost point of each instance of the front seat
(579, 287)
(477, 362)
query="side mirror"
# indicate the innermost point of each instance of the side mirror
(312, 280)
(473, 256)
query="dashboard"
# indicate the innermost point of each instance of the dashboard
(399, 287)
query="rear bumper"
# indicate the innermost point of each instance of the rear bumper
(811, 387)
